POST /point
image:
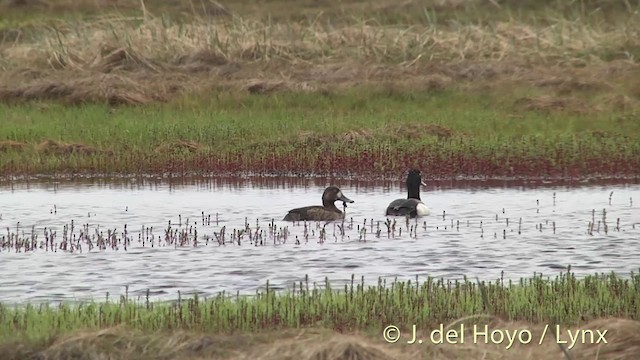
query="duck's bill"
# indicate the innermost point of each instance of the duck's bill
(345, 199)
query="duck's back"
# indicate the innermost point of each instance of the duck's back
(313, 213)
(403, 207)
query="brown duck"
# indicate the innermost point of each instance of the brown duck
(327, 212)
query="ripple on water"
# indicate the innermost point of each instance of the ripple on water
(473, 238)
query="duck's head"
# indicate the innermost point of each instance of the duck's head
(414, 179)
(333, 194)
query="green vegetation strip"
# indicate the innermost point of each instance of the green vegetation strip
(372, 131)
(565, 300)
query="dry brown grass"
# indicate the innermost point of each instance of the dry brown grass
(51, 147)
(620, 102)
(547, 104)
(391, 131)
(120, 61)
(142, 87)
(62, 148)
(10, 145)
(202, 8)
(178, 146)
(79, 88)
(418, 131)
(622, 336)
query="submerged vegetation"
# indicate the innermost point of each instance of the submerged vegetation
(215, 230)
(565, 300)
(475, 88)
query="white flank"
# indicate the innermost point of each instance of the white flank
(422, 210)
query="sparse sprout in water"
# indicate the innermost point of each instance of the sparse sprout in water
(520, 226)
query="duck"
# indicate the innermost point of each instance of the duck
(412, 205)
(327, 212)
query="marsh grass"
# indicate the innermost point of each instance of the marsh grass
(77, 45)
(449, 133)
(310, 47)
(564, 300)
(370, 28)
(159, 44)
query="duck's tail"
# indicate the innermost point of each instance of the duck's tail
(291, 216)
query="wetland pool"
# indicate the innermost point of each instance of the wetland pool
(474, 230)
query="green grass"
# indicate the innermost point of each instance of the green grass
(564, 300)
(446, 124)
(251, 119)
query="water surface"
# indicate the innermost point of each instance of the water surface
(473, 230)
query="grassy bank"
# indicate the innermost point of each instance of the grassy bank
(565, 300)
(477, 88)
(372, 133)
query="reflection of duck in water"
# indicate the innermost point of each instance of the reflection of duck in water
(412, 205)
(327, 212)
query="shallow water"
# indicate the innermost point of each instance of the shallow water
(480, 242)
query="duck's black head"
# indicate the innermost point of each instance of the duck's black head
(414, 181)
(333, 194)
